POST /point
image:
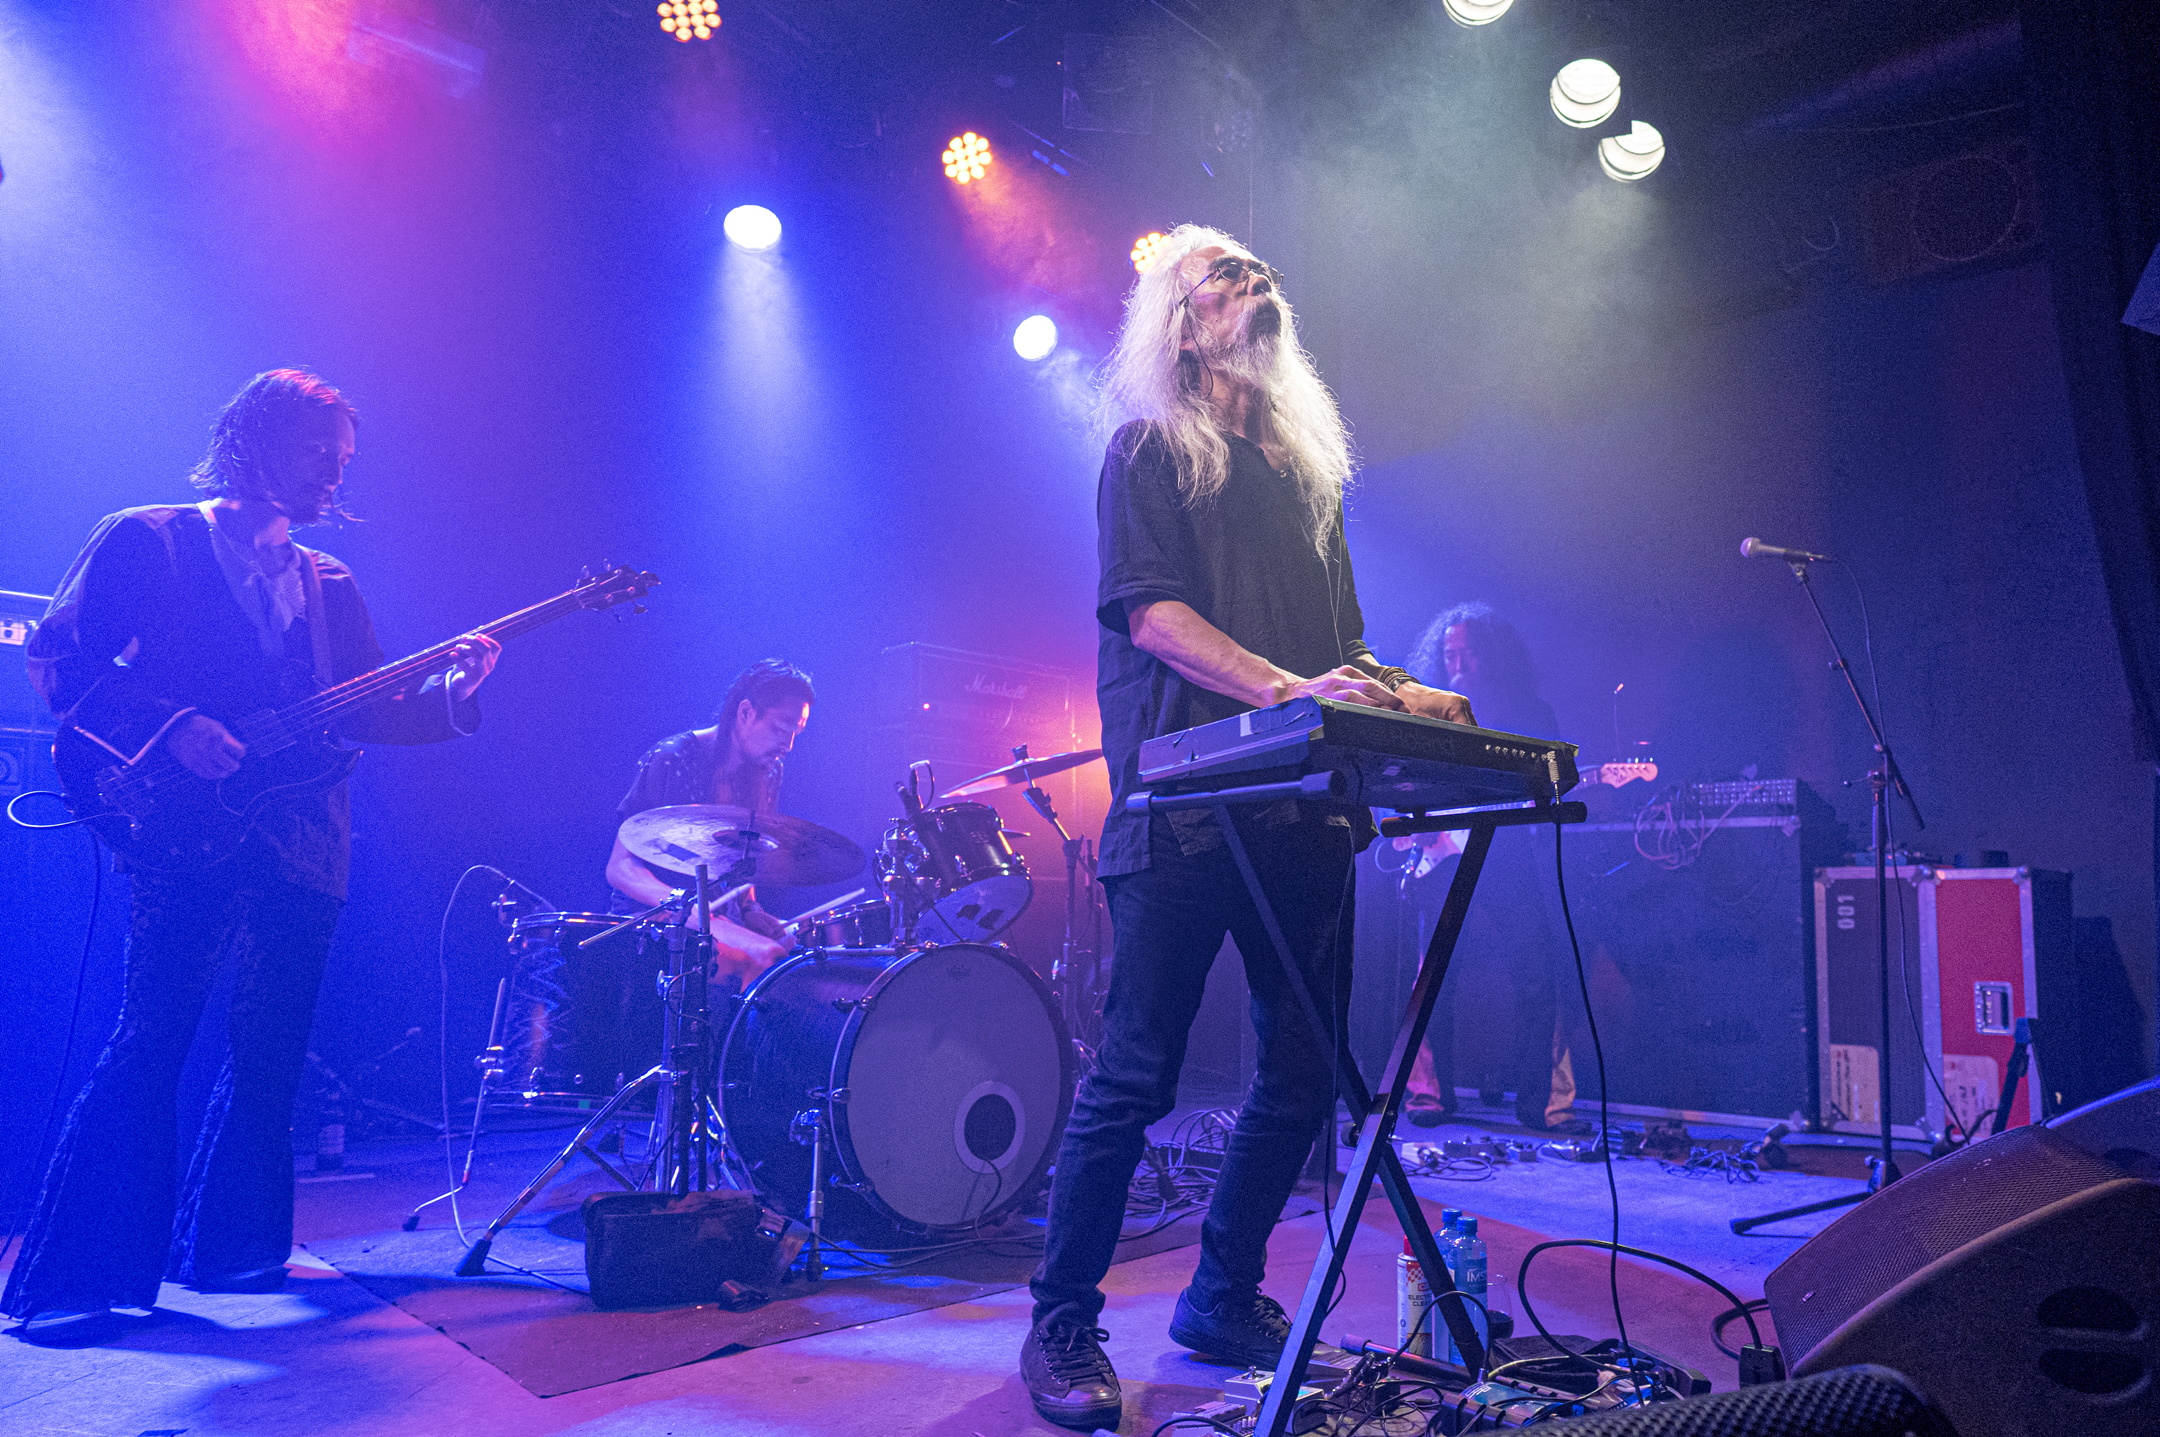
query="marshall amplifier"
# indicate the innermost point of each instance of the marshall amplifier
(925, 686)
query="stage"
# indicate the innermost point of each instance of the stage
(330, 1356)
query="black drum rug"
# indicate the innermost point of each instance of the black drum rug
(539, 1327)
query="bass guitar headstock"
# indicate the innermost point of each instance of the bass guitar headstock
(619, 584)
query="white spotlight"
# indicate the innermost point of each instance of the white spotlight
(1035, 338)
(1632, 155)
(1585, 93)
(1476, 12)
(752, 227)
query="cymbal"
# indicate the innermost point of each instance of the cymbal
(790, 852)
(1026, 770)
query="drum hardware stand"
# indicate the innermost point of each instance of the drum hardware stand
(1079, 858)
(809, 1126)
(1376, 1156)
(682, 1076)
(1882, 779)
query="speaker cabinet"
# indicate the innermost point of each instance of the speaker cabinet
(1699, 960)
(1996, 1278)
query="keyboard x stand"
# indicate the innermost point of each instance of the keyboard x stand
(1376, 1156)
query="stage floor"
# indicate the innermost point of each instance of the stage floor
(328, 1356)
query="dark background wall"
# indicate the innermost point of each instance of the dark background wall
(1573, 398)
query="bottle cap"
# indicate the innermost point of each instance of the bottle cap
(1449, 1216)
(1406, 1252)
(1469, 1226)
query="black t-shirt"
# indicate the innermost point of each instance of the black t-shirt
(1245, 561)
(685, 768)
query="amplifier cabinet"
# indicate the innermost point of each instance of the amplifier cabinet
(1968, 947)
(1698, 962)
(20, 707)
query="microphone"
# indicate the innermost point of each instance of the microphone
(1757, 549)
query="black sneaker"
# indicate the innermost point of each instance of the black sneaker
(1068, 1374)
(1250, 1332)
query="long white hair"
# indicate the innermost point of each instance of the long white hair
(1153, 378)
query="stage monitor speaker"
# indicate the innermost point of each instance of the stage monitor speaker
(2012, 1280)
(1850, 1402)
(2123, 1128)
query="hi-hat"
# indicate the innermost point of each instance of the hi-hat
(789, 852)
(1027, 770)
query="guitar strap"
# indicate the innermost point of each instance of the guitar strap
(318, 622)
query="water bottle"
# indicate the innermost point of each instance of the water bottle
(1413, 1290)
(1466, 1264)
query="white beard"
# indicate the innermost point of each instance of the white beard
(1254, 354)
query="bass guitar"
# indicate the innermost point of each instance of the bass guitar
(157, 815)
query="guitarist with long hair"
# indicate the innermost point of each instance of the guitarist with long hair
(171, 612)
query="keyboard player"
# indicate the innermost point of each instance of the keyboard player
(1225, 586)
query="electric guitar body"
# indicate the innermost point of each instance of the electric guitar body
(181, 822)
(156, 815)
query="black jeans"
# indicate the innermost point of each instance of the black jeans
(1168, 922)
(112, 1221)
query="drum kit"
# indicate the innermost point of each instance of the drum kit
(900, 1073)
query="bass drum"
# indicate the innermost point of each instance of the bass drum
(951, 1078)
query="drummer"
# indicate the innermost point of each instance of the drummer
(738, 760)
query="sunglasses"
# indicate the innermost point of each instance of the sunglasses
(1235, 269)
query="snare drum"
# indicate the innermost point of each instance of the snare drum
(859, 925)
(982, 884)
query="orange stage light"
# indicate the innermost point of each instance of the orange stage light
(687, 18)
(966, 158)
(1146, 248)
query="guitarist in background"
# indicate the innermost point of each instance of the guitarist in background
(168, 611)
(1499, 1020)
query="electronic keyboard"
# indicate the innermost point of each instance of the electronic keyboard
(1386, 759)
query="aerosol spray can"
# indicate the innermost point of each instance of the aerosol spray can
(1413, 1303)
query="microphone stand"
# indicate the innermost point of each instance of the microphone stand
(1883, 779)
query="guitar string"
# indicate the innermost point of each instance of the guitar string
(364, 688)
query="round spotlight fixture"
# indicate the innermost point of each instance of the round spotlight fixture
(1585, 93)
(690, 19)
(1035, 337)
(966, 158)
(751, 227)
(1633, 155)
(1146, 248)
(1476, 12)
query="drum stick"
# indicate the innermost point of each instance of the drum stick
(824, 908)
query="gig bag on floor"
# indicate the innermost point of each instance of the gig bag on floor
(660, 1250)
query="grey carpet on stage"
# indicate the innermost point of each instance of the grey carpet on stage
(540, 1328)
